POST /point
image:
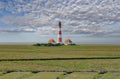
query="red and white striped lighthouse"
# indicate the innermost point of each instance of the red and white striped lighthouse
(59, 33)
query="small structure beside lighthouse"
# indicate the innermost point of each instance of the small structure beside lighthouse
(51, 41)
(68, 42)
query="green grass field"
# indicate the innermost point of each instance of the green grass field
(81, 75)
(16, 75)
(79, 51)
(59, 75)
(22, 60)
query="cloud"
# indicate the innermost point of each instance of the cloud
(77, 16)
(16, 30)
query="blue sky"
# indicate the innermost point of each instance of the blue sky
(89, 18)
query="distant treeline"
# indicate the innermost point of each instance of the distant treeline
(50, 44)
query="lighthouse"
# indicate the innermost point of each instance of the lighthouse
(59, 40)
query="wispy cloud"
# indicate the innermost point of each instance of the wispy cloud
(78, 16)
(16, 30)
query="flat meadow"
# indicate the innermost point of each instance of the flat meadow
(67, 62)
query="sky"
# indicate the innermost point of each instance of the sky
(95, 20)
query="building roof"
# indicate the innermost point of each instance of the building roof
(51, 41)
(68, 41)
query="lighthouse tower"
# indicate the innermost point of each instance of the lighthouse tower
(59, 33)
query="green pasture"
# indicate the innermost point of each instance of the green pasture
(60, 58)
(108, 76)
(16, 75)
(62, 65)
(60, 75)
(79, 51)
(80, 75)
(46, 75)
(55, 62)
